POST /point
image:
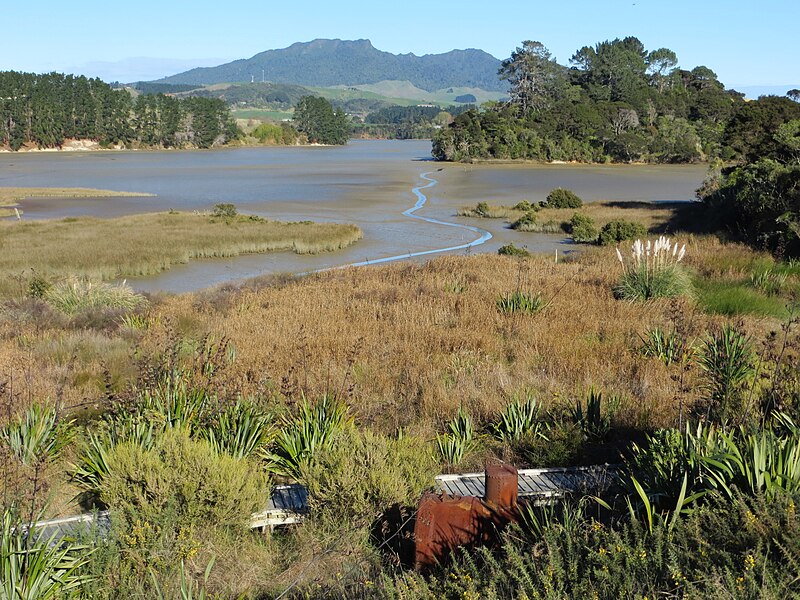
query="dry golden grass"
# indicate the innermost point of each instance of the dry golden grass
(414, 350)
(407, 344)
(150, 243)
(10, 196)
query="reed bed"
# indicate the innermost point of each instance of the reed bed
(654, 217)
(150, 243)
(10, 196)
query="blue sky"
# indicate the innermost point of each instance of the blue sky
(747, 43)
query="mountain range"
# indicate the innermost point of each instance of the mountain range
(325, 63)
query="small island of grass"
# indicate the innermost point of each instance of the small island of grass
(149, 243)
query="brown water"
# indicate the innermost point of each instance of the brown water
(367, 182)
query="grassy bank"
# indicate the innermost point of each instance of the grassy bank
(151, 243)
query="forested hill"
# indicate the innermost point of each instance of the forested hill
(615, 101)
(343, 62)
(46, 110)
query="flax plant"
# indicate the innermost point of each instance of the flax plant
(652, 271)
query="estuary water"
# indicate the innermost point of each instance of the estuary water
(378, 185)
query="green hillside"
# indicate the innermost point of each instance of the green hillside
(325, 63)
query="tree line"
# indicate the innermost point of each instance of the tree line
(616, 101)
(45, 110)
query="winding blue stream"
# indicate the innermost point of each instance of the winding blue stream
(483, 235)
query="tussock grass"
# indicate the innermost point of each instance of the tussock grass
(732, 299)
(150, 243)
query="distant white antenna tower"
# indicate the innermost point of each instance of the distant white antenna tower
(252, 78)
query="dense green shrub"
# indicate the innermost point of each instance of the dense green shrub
(563, 198)
(183, 479)
(582, 229)
(364, 473)
(526, 222)
(512, 250)
(619, 231)
(525, 206)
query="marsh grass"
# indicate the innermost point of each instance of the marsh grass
(651, 216)
(150, 243)
(731, 298)
(77, 295)
(10, 196)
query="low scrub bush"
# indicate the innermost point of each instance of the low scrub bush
(563, 198)
(620, 230)
(364, 473)
(184, 480)
(652, 271)
(582, 229)
(526, 222)
(512, 250)
(224, 210)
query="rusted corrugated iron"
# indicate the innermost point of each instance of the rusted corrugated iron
(444, 523)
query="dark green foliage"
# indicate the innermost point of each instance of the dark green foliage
(619, 231)
(561, 198)
(526, 222)
(618, 102)
(727, 358)
(512, 250)
(46, 110)
(316, 118)
(590, 418)
(760, 203)
(583, 229)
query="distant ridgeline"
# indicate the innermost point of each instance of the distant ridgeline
(616, 102)
(352, 62)
(46, 110)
